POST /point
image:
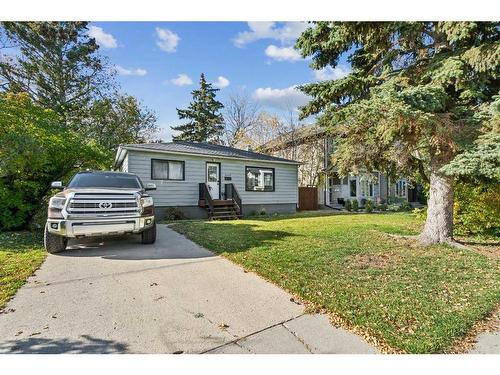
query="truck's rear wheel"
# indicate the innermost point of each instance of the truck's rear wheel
(54, 243)
(149, 235)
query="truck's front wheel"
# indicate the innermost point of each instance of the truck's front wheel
(54, 243)
(149, 235)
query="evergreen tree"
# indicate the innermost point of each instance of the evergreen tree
(412, 101)
(58, 66)
(480, 163)
(205, 122)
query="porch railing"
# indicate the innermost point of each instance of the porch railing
(204, 194)
(232, 193)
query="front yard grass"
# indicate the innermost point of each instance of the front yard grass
(415, 299)
(21, 253)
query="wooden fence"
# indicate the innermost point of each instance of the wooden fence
(308, 198)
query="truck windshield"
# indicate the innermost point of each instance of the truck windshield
(105, 180)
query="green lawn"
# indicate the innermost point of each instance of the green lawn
(415, 299)
(21, 253)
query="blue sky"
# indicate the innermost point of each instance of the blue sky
(160, 63)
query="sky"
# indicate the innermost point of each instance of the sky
(160, 63)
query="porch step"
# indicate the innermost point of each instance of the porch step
(225, 212)
(223, 202)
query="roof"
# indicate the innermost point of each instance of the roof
(200, 148)
(296, 136)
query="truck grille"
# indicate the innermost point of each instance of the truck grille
(103, 204)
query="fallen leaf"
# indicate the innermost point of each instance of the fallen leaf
(223, 326)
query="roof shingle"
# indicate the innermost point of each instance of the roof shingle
(203, 148)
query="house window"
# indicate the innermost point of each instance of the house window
(335, 179)
(259, 179)
(366, 188)
(401, 188)
(353, 190)
(167, 170)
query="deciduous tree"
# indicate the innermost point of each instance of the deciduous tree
(35, 149)
(118, 120)
(240, 114)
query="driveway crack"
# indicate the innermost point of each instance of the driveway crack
(235, 341)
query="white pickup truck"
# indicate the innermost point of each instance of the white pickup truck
(99, 204)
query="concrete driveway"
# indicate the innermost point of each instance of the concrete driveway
(118, 296)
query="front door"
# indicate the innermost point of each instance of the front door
(213, 179)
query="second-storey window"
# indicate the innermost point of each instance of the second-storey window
(167, 170)
(259, 179)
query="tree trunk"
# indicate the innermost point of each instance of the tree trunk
(439, 224)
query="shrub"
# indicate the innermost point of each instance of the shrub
(355, 205)
(174, 213)
(35, 149)
(369, 206)
(420, 213)
(477, 209)
(393, 207)
(262, 211)
(348, 205)
(382, 207)
(404, 206)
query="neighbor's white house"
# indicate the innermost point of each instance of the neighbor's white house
(207, 180)
(311, 146)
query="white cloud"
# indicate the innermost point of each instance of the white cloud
(286, 33)
(167, 40)
(329, 73)
(287, 98)
(102, 38)
(182, 80)
(130, 72)
(282, 53)
(221, 82)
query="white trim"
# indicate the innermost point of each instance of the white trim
(121, 149)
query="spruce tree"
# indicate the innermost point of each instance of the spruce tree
(413, 101)
(57, 66)
(205, 121)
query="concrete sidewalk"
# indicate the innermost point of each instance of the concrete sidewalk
(118, 296)
(487, 343)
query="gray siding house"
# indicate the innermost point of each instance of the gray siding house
(311, 146)
(206, 180)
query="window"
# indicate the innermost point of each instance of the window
(167, 170)
(353, 188)
(335, 179)
(259, 179)
(105, 180)
(366, 188)
(401, 188)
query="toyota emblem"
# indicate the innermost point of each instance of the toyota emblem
(105, 205)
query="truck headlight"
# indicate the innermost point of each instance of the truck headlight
(146, 201)
(57, 203)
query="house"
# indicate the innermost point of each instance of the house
(206, 180)
(311, 146)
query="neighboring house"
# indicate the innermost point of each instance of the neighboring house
(305, 144)
(312, 147)
(203, 179)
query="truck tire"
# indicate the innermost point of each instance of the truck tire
(149, 235)
(54, 243)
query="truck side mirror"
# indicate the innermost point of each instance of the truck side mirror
(150, 186)
(57, 185)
